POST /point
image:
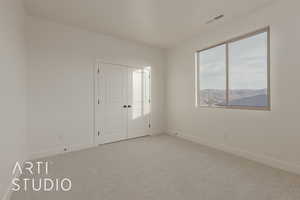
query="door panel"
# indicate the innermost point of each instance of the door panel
(111, 116)
(117, 86)
(139, 100)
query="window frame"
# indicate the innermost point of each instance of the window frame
(226, 43)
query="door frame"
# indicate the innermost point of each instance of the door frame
(96, 69)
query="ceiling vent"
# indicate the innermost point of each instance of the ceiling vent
(215, 19)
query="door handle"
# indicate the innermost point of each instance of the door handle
(124, 106)
(129, 106)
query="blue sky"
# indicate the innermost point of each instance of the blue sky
(247, 65)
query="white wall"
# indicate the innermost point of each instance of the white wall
(61, 61)
(270, 137)
(13, 90)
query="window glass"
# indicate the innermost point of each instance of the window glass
(235, 74)
(212, 71)
(248, 72)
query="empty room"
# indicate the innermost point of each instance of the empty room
(149, 100)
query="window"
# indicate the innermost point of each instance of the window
(235, 73)
(213, 76)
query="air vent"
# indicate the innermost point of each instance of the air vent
(215, 19)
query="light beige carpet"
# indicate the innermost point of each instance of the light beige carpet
(164, 168)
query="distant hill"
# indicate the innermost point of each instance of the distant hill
(212, 97)
(238, 97)
(257, 101)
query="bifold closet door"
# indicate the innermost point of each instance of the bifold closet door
(111, 107)
(139, 102)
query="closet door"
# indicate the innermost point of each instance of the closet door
(111, 105)
(138, 102)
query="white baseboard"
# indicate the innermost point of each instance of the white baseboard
(9, 191)
(61, 149)
(58, 150)
(155, 132)
(267, 160)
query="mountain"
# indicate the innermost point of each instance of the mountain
(239, 97)
(212, 97)
(256, 101)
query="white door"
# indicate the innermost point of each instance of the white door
(139, 102)
(111, 113)
(122, 108)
